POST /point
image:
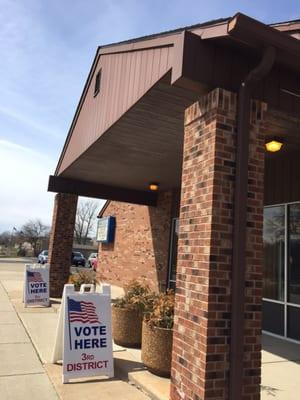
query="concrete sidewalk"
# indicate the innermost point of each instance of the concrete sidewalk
(22, 375)
(27, 338)
(280, 369)
(26, 341)
(40, 323)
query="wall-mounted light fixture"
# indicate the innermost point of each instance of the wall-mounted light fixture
(273, 145)
(153, 186)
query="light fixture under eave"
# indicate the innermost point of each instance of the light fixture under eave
(153, 187)
(273, 146)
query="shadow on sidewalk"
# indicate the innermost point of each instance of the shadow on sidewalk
(288, 351)
(128, 365)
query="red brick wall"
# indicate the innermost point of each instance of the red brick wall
(201, 346)
(254, 254)
(61, 241)
(141, 245)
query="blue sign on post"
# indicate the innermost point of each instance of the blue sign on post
(106, 229)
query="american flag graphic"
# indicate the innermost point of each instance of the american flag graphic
(82, 311)
(34, 277)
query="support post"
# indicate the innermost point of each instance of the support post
(61, 241)
(203, 307)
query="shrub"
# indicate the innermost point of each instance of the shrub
(137, 296)
(162, 314)
(83, 277)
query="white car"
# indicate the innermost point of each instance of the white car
(43, 257)
(92, 257)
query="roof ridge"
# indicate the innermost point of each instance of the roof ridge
(188, 27)
(171, 31)
(291, 22)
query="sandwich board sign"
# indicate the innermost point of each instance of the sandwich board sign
(36, 285)
(84, 337)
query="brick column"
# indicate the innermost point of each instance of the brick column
(201, 346)
(61, 241)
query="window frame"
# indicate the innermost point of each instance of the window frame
(97, 84)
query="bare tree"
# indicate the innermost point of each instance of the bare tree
(33, 231)
(5, 238)
(85, 220)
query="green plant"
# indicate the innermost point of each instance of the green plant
(82, 277)
(138, 296)
(162, 314)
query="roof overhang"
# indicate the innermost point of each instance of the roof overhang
(145, 143)
(259, 36)
(82, 188)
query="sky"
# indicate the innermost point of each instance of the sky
(46, 50)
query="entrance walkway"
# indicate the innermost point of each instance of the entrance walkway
(281, 369)
(26, 343)
(27, 339)
(22, 375)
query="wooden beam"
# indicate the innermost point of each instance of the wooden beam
(60, 184)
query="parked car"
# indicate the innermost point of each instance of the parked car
(92, 257)
(43, 257)
(94, 263)
(78, 259)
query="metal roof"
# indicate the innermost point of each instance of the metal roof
(147, 84)
(191, 27)
(169, 32)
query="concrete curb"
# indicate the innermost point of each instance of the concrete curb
(130, 367)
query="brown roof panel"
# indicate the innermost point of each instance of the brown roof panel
(129, 70)
(151, 46)
(125, 78)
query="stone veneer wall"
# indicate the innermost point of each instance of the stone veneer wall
(141, 245)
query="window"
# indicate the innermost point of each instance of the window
(274, 237)
(281, 286)
(293, 267)
(97, 83)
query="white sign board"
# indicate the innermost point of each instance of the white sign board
(106, 229)
(102, 230)
(87, 337)
(36, 285)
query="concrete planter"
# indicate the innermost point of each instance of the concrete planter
(127, 327)
(157, 349)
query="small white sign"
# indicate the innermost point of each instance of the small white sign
(102, 229)
(36, 285)
(87, 336)
(106, 229)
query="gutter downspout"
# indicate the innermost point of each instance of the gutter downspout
(240, 222)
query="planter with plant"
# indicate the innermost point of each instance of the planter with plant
(83, 277)
(157, 335)
(127, 314)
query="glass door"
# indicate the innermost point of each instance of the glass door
(281, 285)
(293, 273)
(274, 269)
